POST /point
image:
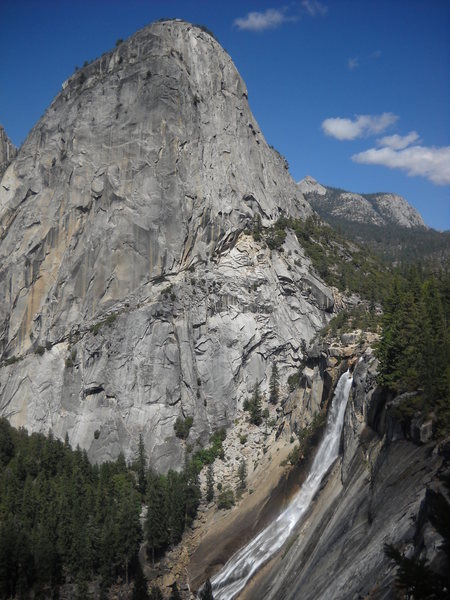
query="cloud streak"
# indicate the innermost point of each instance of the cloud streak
(360, 126)
(313, 7)
(352, 63)
(260, 21)
(275, 17)
(398, 142)
(430, 162)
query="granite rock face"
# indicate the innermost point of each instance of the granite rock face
(7, 151)
(382, 210)
(131, 292)
(381, 491)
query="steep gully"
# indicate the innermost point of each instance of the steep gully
(244, 564)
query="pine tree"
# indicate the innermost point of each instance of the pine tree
(140, 465)
(274, 385)
(255, 407)
(206, 593)
(6, 443)
(128, 528)
(415, 577)
(156, 593)
(242, 473)
(176, 506)
(175, 595)
(156, 522)
(192, 492)
(140, 589)
(257, 227)
(210, 483)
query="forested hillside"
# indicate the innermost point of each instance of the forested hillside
(396, 245)
(414, 349)
(66, 522)
(385, 223)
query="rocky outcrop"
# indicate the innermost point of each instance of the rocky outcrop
(384, 490)
(7, 151)
(382, 210)
(308, 185)
(394, 209)
(130, 290)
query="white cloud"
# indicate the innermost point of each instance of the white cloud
(275, 17)
(430, 162)
(398, 142)
(259, 21)
(313, 7)
(352, 63)
(362, 125)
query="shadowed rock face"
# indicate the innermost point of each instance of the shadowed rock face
(382, 491)
(130, 198)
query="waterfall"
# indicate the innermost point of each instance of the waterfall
(244, 564)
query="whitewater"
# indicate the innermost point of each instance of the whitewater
(245, 563)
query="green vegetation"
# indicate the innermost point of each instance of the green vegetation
(256, 227)
(362, 317)
(210, 483)
(207, 456)
(345, 266)
(294, 380)
(168, 292)
(156, 593)
(242, 474)
(225, 499)
(414, 350)
(61, 518)
(39, 350)
(275, 237)
(172, 502)
(12, 360)
(415, 577)
(140, 467)
(70, 360)
(206, 592)
(183, 426)
(110, 319)
(140, 591)
(175, 595)
(274, 385)
(339, 263)
(199, 25)
(308, 438)
(206, 30)
(254, 406)
(281, 157)
(395, 245)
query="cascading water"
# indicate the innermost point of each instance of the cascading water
(244, 564)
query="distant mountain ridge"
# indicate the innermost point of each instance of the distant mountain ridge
(382, 209)
(385, 222)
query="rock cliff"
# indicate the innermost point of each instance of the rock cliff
(383, 490)
(7, 151)
(131, 291)
(382, 210)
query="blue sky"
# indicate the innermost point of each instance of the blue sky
(354, 93)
